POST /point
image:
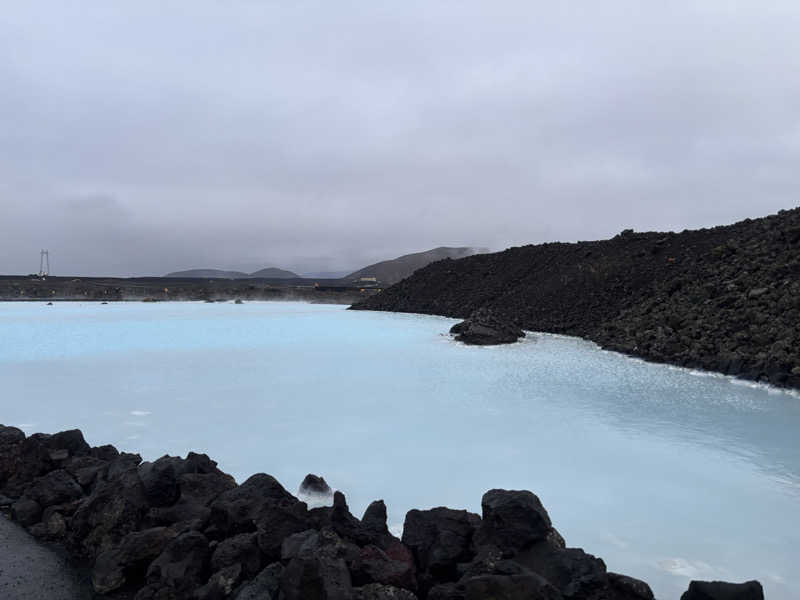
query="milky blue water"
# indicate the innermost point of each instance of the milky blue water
(666, 474)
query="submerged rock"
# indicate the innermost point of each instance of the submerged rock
(484, 328)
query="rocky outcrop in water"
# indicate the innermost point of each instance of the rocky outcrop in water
(725, 299)
(484, 328)
(179, 528)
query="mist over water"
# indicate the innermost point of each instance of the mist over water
(664, 473)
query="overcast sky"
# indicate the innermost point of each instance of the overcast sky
(144, 137)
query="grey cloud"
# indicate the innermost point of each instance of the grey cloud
(139, 138)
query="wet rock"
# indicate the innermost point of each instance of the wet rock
(314, 484)
(720, 590)
(512, 520)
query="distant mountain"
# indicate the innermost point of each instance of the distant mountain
(209, 274)
(326, 275)
(274, 273)
(268, 273)
(389, 272)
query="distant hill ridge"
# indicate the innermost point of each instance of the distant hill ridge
(723, 299)
(268, 273)
(390, 272)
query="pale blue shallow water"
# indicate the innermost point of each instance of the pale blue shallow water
(666, 474)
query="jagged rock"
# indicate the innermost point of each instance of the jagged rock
(86, 470)
(241, 549)
(527, 586)
(374, 520)
(720, 590)
(220, 585)
(377, 566)
(512, 520)
(376, 591)
(113, 510)
(57, 487)
(484, 328)
(316, 577)
(71, 440)
(439, 539)
(160, 481)
(183, 564)
(265, 586)
(298, 543)
(114, 568)
(566, 568)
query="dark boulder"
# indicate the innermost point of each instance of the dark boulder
(376, 566)
(265, 586)
(57, 487)
(241, 549)
(567, 569)
(113, 510)
(720, 590)
(220, 585)
(160, 481)
(259, 500)
(26, 511)
(314, 484)
(485, 328)
(512, 520)
(439, 539)
(316, 577)
(128, 562)
(71, 440)
(628, 588)
(183, 564)
(374, 520)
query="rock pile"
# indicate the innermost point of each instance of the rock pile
(725, 299)
(179, 528)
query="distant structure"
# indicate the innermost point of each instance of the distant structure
(44, 263)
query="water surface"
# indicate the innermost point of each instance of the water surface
(666, 474)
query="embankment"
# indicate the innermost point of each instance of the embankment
(724, 299)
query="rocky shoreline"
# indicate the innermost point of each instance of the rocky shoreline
(180, 528)
(725, 299)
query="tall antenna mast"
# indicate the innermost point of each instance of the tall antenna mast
(44, 263)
